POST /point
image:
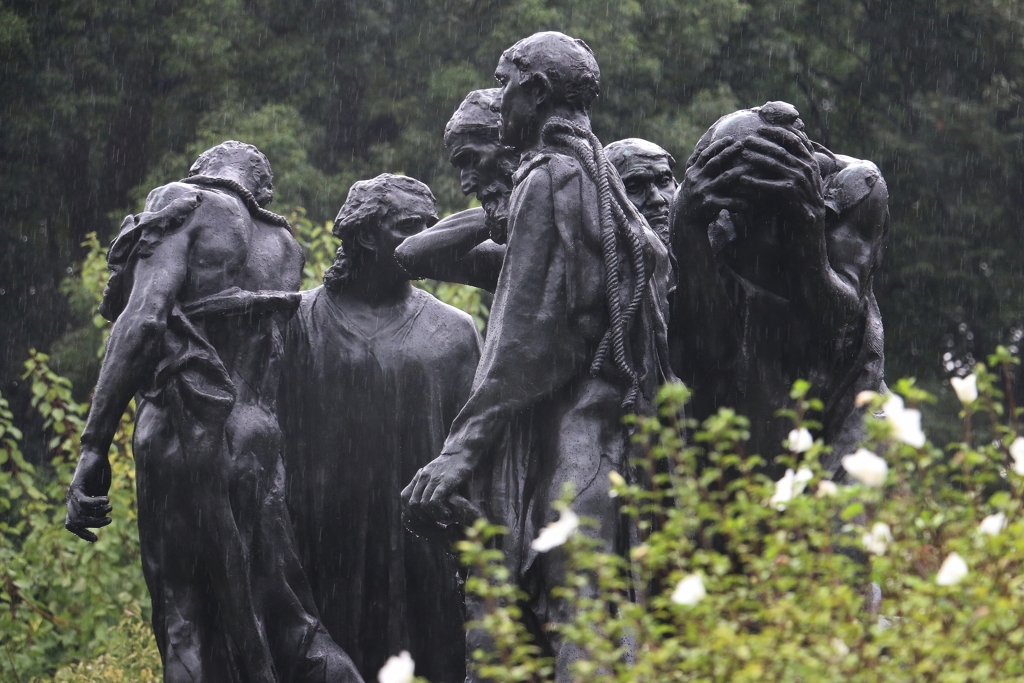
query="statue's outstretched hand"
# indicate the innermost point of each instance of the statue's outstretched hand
(428, 493)
(87, 502)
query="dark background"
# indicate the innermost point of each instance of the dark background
(101, 101)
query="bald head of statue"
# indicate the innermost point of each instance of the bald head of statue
(547, 74)
(646, 172)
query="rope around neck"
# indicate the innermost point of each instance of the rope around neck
(244, 194)
(615, 210)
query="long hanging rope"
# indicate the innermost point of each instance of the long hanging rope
(245, 195)
(613, 207)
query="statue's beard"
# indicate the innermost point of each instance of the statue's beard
(494, 199)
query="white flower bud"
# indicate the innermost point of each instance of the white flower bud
(1017, 452)
(826, 488)
(906, 422)
(689, 591)
(877, 540)
(864, 398)
(953, 571)
(800, 440)
(866, 467)
(966, 388)
(556, 533)
(398, 669)
(992, 524)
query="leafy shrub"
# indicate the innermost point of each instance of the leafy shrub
(130, 656)
(739, 578)
(59, 597)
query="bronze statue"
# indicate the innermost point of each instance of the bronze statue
(646, 172)
(375, 372)
(201, 286)
(576, 335)
(777, 241)
(460, 247)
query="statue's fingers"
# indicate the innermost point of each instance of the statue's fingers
(727, 178)
(713, 149)
(91, 504)
(419, 484)
(79, 530)
(766, 185)
(780, 153)
(794, 143)
(725, 158)
(776, 167)
(95, 522)
(410, 488)
(439, 489)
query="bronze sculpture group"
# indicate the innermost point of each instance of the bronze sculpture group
(301, 455)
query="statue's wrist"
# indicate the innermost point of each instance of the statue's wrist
(460, 455)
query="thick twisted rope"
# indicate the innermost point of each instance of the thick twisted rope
(244, 194)
(613, 206)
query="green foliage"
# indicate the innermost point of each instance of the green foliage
(787, 578)
(100, 103)
(130, 656)
(60, 597)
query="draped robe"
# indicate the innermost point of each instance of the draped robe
(362, 411)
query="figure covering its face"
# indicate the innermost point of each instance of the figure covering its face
(377, 216)
(646, 172)
(781, 239)
(485, 165)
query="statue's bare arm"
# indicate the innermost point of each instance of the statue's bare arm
(132, 348)
(457, 249)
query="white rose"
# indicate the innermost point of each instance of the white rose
(877, 540)
(556, 533)
(1017, 451)
(689, 591)
(791, 484)
(800, 440)
(906, 422)
(966, 388)
(952, 571)
(826, 488)
(398, 669)
(992, 524)
(866, 467)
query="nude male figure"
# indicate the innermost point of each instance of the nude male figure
(201, 285)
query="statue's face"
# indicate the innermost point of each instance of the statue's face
(408, 215)
(518, 106)
(482, 164)
(650, 186)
